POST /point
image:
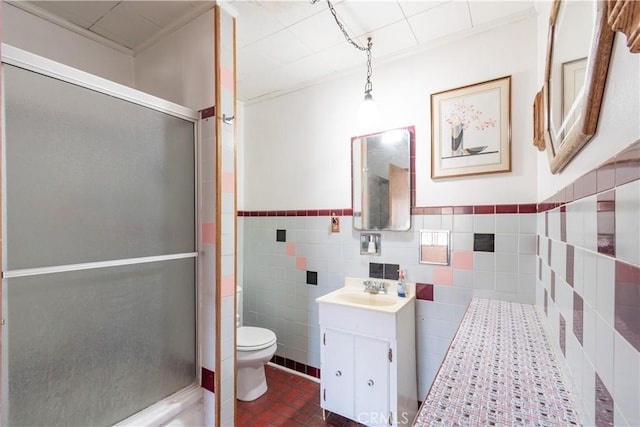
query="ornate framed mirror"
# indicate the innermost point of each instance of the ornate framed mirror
(567, 108)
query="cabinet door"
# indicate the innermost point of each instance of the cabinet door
(337, 373)
(371, 382)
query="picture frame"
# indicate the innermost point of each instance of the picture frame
(471, 129)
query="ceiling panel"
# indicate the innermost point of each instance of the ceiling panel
(82, 13)
(413, 7)
(441, 21)
(488, 11)
(364, 17)
(127, 29)
(284, 44)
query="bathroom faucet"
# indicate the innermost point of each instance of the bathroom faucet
(373, 287)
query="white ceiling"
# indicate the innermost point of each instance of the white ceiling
(287, 44)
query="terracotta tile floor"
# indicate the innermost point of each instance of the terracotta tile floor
(291, 400)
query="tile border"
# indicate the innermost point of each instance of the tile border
(296, 366)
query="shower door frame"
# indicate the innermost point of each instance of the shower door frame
(17, 57)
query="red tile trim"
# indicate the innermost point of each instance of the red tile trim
(562, 336)
(462, 210)
(424, 291)
(528, 208)
(507, 209)
(208, 381)
(415, 210)
(208, 112)
(488, 209)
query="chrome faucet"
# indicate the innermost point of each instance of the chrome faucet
(373, 287)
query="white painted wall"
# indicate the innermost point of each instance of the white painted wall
(36, 35)
(180, 66)
(618, 126)
(297, 146)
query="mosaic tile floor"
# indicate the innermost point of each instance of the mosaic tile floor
(500, 370)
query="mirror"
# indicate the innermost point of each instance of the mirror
(578, 53)
(434, 247)
(381, 168)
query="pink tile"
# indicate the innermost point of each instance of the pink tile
(228, 285)
(301, 263)
(228, 182)
(290, 248)
(463, 260)
(443, 276)
(209, 232)
(226, 78)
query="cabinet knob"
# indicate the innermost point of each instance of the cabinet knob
(338, 374)
(370, 383)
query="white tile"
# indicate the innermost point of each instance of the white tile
(390, 39)
(589, 332)
(627, 380)
(606, 288)
(527, 244)
(527, 264)
(578, 271)
(506, 263)
(627, 219)
(507, 282)
(588, 391)
(462, 241)
(484, 223)
(441, 21)
(554, 223)
(506, 242)
(589, 210)
(462, 278)
(484, 261)
(507, 223)
(463, 223)
(432, 222)
(483, 280)
(575, 224)
(604, 352)
(528, 223)
(574, 359)
(447, 222)
(559, 258)
(590, 278)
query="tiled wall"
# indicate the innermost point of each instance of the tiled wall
(588, 285)
(289, 258)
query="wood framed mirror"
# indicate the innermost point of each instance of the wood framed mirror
(567, 108)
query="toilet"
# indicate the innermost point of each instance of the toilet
(254, 348)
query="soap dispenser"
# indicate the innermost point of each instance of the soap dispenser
(401, 285)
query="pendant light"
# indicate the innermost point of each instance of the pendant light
(368, 115)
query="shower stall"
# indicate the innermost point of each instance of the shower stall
(99, 247)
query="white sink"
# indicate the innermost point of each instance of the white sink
(353, 295)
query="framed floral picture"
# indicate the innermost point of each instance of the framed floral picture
(471, 129)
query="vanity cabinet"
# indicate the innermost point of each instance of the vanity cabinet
(368, 363)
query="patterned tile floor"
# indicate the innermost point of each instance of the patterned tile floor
(500, 370)
(291, 400)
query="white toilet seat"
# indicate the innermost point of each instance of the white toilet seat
(250, 338)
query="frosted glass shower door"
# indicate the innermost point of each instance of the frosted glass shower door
(99, 280)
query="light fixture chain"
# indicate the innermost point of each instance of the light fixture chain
(341, 26)
(368, 87)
